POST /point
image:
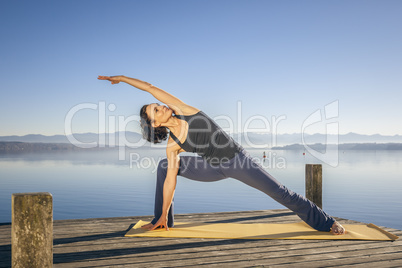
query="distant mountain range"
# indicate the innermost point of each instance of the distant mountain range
(247, 140)
(343, 147)
(131, 137)
(297, 138)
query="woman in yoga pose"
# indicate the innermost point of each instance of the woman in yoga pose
(191, 130)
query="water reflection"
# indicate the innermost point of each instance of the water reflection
(365, 186)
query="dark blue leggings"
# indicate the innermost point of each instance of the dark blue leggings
(245, 169)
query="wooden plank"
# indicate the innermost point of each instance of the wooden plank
(225, 255)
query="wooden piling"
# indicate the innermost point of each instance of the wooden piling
(314, 183)
(32, 230)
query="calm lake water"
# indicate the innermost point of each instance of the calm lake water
(366, 185)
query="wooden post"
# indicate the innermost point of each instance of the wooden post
(32, 230)
(314, 183)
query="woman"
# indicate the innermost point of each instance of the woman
(191, 130)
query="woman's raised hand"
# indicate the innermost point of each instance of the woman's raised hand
(113, 79)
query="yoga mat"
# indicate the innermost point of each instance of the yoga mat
(298, 230)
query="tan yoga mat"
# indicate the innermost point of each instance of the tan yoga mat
(298, 230)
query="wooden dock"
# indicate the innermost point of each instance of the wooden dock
(101, 243)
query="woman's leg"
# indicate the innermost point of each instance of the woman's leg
(249, 172)
(191, 167)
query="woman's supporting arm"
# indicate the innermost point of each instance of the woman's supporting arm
(168, 187)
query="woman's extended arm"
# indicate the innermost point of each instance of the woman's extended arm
(173, 102)
(168, 187)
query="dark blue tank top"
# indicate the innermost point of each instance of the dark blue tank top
(207, 139)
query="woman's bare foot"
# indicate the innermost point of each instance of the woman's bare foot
(337, 229)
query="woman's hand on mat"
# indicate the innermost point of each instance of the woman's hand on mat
(113, 79)
(162, 223)
(338, 229)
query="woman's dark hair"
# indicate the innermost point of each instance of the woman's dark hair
(151, 134)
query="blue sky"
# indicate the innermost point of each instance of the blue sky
(276, 58)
